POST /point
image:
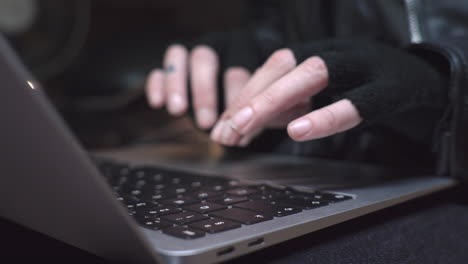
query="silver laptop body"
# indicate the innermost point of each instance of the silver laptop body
(50, 184)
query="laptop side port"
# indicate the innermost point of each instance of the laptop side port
(256, 242)
(225, 251)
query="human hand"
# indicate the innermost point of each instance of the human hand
(168, 86)
(281, 88)
(373, 82)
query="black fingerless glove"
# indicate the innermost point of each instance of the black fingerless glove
(389, 86)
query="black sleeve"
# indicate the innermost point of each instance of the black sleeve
(390, 86)
(452, 136)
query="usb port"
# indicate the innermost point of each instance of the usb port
(225, 251)
(256, 242)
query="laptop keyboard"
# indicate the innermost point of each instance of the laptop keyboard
(189, 206)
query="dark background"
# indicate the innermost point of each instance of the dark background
(93, 57)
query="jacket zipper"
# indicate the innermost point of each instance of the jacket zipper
(414, 21)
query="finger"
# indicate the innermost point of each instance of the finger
(175, 81)
(235, 78)
(229, 136)
(204, 67)
(281, 121)
(155, 88)
(217, 131)
(306, 80)
(279, 64)
(326, 121)
(224, 134)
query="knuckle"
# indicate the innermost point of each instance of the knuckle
(283, 58)
(329, 119)
(268, 98)
(204, 101)
(237, 104)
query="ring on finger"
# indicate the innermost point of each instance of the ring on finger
(169, 68)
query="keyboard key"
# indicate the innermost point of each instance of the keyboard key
(305, 195)
(257, 205)
(142, 204)
(304, 203)
(205, 194)
(195, 184)
(139, 205)
(215, 225)
(233, 183)
(157, 177)
(259, 196)
(118, 182)
(152, 223)
(181, 189)
(283, 210)
(243, 191)
(155, 196)
(181, 201)
(184, 218)
(137, 179)
(204, 207)
(126, 199)
(242, 216)
(183, 232)
(214, 187)
(158, 210)
(332, 197)
(278, 210)
(271, 193)
(229, 199)
(153, 175)
(176, 189)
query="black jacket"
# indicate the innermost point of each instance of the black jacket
(436, 30)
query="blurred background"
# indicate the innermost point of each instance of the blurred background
(93, 57)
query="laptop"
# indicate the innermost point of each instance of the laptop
(130, 206)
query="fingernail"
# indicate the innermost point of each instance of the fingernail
(206, 117)
(156, 100)
(226, 134)
(242, 118)
(216, 132)
(231, 124)
(300, 128)
(176, 104)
